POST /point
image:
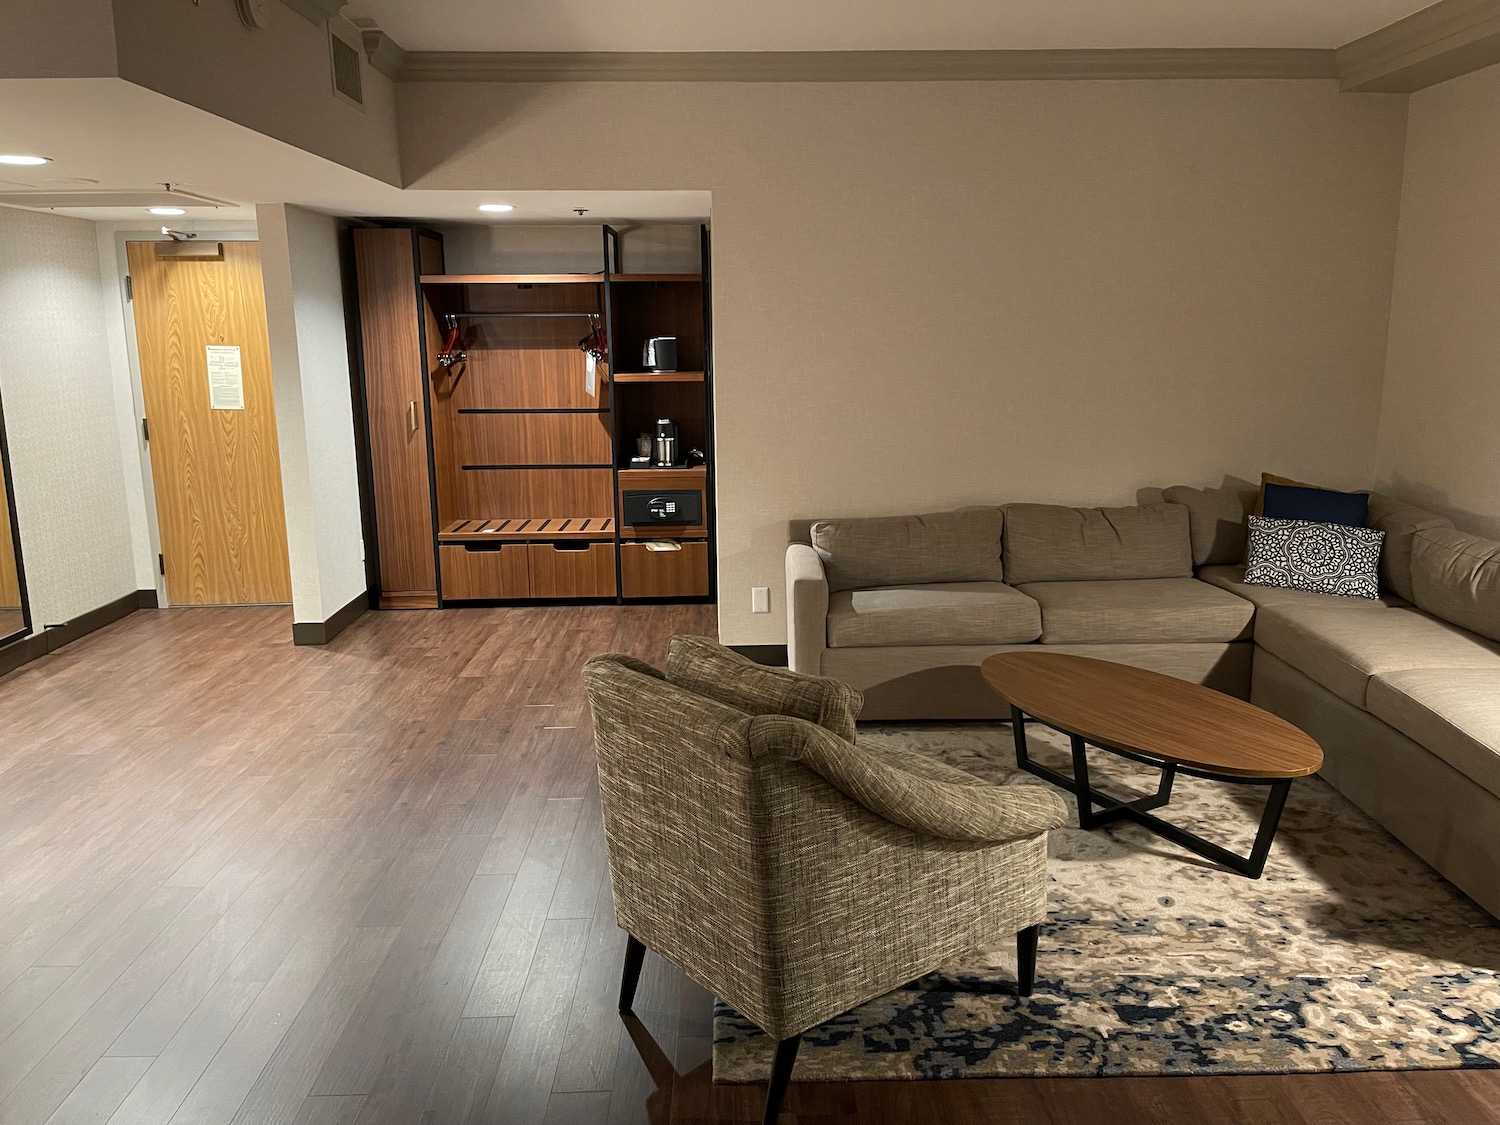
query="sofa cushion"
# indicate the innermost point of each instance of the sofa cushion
(961, 546)
(1326, 558)
(1216, 519)
(1051, 543)
(940, 613)
(1232, 578)
(1400, 521)
(1313, 505)
(1456, 576)
(1453, 712)
(1341, 647)
(706, 668)
(1139, 611)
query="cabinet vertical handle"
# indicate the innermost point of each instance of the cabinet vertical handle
(411, 417)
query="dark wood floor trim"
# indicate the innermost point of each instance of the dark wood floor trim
(773, 656)
(321, 632)
(53, 637)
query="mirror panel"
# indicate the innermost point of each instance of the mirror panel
(15, 617)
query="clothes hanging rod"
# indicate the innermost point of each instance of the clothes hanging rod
(455, 317)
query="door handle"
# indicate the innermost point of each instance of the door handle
(411, 418)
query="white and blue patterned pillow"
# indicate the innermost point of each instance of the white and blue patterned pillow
(1326, 558)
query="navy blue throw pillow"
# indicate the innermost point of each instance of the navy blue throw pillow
(1316, 505)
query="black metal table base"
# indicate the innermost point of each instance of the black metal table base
(1138, 810)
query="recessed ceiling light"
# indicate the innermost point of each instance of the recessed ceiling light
(168, 210)
(23, 160)
(495, 208)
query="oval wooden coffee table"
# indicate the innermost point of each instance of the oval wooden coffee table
(1160, 721)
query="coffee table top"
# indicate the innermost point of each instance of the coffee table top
(1124, 708)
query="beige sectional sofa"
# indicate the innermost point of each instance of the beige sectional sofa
(905, 608)
(1403, 693)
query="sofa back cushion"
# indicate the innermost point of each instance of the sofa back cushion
(961, 546)
(1216, 519)
(1051, 543)
(1400, 521)
(1456, 576)
(699, 665)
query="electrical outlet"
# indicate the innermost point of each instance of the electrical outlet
(760, 599)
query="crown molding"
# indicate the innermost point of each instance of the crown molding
(316, 12)
(1450, 38)
(384, 53)
(865, 66)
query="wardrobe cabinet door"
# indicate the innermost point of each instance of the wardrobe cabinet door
(395, 382)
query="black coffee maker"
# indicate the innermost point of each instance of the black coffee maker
(665, 445)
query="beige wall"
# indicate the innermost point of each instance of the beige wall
(1440, 424)
(567, 248)
(275, 80)
(929, 294)
(53, 39)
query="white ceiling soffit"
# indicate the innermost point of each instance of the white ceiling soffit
(873, 25)
(105, 133)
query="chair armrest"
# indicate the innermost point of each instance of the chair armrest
(806, 610)
(963, 811)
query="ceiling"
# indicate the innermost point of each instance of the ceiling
(867, 25)
(104, 133)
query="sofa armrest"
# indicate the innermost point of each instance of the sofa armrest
(948, 810)
(806, 610)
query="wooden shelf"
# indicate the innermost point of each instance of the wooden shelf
(512, 278)
(553, 278)
(558, 527)
(658, 377)
(643, 476)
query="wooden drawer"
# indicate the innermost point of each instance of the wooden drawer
(664, 574)
(485, 571)
(561, 570)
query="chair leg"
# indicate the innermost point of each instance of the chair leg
(781, 1077)
(635, 953)
(1026, 959)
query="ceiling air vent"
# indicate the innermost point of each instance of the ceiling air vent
(346, 54)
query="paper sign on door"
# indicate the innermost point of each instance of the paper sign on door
(226, 378)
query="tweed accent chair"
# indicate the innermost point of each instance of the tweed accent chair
(792, 872)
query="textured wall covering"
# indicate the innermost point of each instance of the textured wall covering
(60, 414)
(929, 294)
(1440, 422)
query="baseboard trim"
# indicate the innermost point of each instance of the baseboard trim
(321, 632)
(53, 637)
(772, 656)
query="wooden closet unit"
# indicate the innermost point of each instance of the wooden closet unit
(393, 338)
(520, 490)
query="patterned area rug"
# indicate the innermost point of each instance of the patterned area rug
(1348, 954)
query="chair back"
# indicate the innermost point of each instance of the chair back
(684, 825)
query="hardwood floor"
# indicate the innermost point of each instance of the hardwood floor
(242, 882)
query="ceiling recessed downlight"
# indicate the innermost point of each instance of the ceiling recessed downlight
(167, 210)
(496, 208)
(22, 160)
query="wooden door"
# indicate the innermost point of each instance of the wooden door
(214, 456)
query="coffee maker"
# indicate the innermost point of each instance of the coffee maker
(664, 446)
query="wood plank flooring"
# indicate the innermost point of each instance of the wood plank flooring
(243, 883)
